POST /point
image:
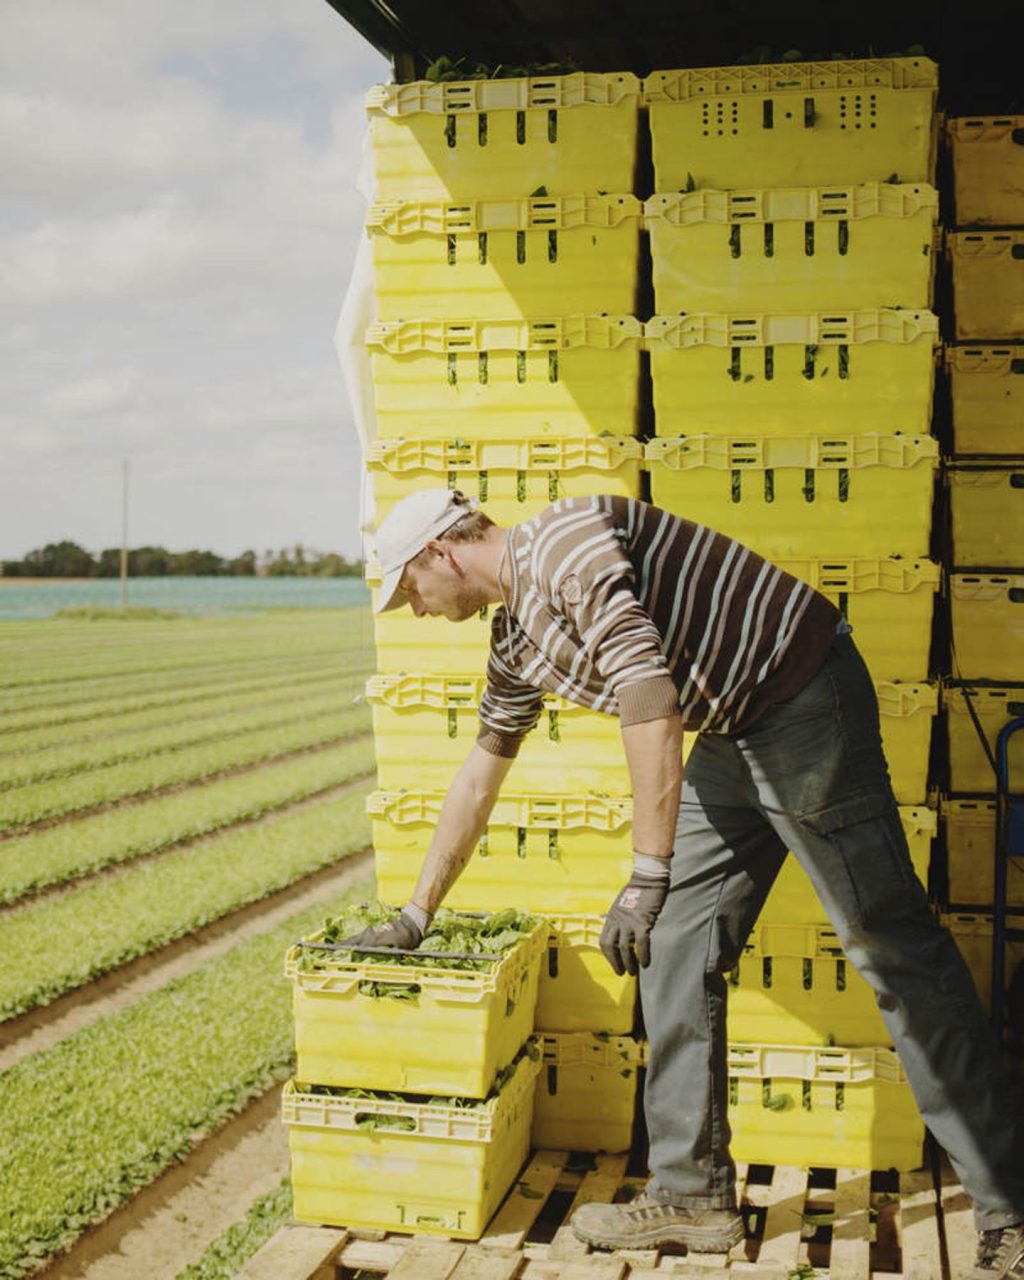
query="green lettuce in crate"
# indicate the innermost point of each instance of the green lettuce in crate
(371, 1121)
(455, 940)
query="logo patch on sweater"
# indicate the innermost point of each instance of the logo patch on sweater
(571, 589)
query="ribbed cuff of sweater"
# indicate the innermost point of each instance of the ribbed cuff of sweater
(653, 699)
(498, 744)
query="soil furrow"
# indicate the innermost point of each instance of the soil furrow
(42, 1028)
(142, 796)
(169, 1223)
(75, 883)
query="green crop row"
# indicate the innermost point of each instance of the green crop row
(61, 796)
(69, 849)
(235, 715)
(29, 729)
(226, 1255)
(24, 708)
(55, 945)
(87, 1123)
(190, 645)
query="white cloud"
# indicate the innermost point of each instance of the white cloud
(89, 397)
(180, 220)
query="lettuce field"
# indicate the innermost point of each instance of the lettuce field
(180, 799)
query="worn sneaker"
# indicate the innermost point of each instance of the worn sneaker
(645, 1223)
(1000, 1254)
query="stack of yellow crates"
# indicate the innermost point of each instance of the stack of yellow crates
(413, 1096)
(506, 363)
(793, 236)
(986, 502)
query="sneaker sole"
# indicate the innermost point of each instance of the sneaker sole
(696, 1239)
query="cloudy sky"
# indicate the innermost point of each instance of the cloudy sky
(177, 224)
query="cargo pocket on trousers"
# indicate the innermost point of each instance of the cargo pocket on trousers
(866, 835)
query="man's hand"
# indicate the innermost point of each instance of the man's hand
(402, 933)
(626, 936)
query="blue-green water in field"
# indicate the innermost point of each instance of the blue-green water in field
(182, 595)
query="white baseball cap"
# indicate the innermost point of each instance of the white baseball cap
(406, 530)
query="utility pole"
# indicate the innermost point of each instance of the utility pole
(124, 533)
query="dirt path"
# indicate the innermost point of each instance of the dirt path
(42, 1028)
(170, 1223)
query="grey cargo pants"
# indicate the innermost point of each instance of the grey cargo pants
(810, 776)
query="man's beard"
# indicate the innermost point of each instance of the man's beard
(465, 602)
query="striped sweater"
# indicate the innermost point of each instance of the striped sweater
(623, 608)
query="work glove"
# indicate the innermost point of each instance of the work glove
(626, 936)
(404, 933)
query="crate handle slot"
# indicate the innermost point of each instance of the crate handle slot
(1017, 251)
(1017, 365)
(1017, 480)
(1017, 136)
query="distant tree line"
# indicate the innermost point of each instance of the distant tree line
(69, 560)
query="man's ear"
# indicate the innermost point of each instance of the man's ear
(445, 550)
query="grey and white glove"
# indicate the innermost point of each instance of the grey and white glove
(404, 933)
(626, 936)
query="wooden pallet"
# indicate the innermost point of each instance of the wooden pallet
(844, 1224)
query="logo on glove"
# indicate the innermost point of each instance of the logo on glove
(629, 898)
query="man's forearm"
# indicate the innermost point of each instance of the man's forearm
(464, 814)
(654, 752)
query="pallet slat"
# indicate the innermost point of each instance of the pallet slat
(600, 1184)
(850, 1258)
(428, 1260)
(919, 1227)
(517, 1247)
(488, 1264)
(784, 1220)
(296, 1252)
(525, 1201)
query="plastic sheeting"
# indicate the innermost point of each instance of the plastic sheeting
(358, 311)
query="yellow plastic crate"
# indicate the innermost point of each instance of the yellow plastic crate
(459, 1031)
(988, 283)
(579, 990)
(513, 479)
(793, 123)
(444, 1173)
(987, 384)
(969, 769)
(970, 827)
(972, 933)
(793, 248)
(407, 643)
(497, 259)
(792, 897)
(987, 509)
(841, 1108)
(870, 370)
(907, 711)
(791, 497)
(424, 726)
(793, 985)
(988, 626)
(564, 854)
(568, 376)
(507, 137)
(586, 1092)
(988, 169)
(888, 602)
